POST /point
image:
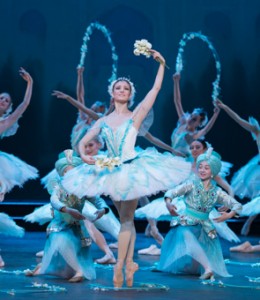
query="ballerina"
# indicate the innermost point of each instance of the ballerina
(246, 181)
(13, 171)
(126, 175)
(190, 126)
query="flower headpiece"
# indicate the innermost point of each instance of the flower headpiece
(132, 88)
(200, 112)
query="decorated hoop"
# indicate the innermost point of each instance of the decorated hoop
(84, 47)
(179, 60)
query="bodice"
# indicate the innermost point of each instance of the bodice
(120, 141)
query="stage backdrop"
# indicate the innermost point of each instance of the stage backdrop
(45, 38)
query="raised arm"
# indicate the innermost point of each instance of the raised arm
(144, 107)
(14, 116)
(177, 95)
(243, 123)
(209, 125)
(92, 132)
(80, 89)
(157, 142)
(77, 104)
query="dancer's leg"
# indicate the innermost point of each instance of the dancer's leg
(99, 239)
(246, 228)
(126, 239)
(2, 263)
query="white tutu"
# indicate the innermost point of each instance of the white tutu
(50, 180)
(225, 169)
(157, 210)
(14, 171)
(149, 173)
(40, 215)
(9, 227)
(246, 181)
(251, 208)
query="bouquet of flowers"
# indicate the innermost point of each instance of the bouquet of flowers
(108, 162)
(144, 47)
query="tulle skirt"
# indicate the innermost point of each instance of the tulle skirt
(149, 173)
(64, 255)
(9, 227)
(246, 181)
(14, 171)
(188, 249)
(157, 210)
(251, 208)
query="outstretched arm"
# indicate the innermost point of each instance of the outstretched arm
(243, 123)
(209, 125)
(80, 89)
(157, 142)
(177, 95)
(13, 117)
(91, 133)
(77, 104)
(142, 110)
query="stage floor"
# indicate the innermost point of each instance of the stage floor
(19, 254)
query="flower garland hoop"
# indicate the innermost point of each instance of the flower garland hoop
(179, 60)
(84, 47)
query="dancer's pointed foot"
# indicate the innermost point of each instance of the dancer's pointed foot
(131, 268)
(78, 277)
(245, 247)
(40, 253)
(33, 272)
(118, 277)
(107, 259)
(207, 275)
(152, 250)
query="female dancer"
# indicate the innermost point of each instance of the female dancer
(246, 181)
(13, 171)
(193, 241)
(126, 175)
(67, 249)
(188, 125)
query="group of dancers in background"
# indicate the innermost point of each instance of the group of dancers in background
(190, 172)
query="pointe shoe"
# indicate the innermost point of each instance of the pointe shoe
(131, 268)
(76, 279)
(207, 275)
(118, 277)
(107, 259)
(152, 250)
(39, 254)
